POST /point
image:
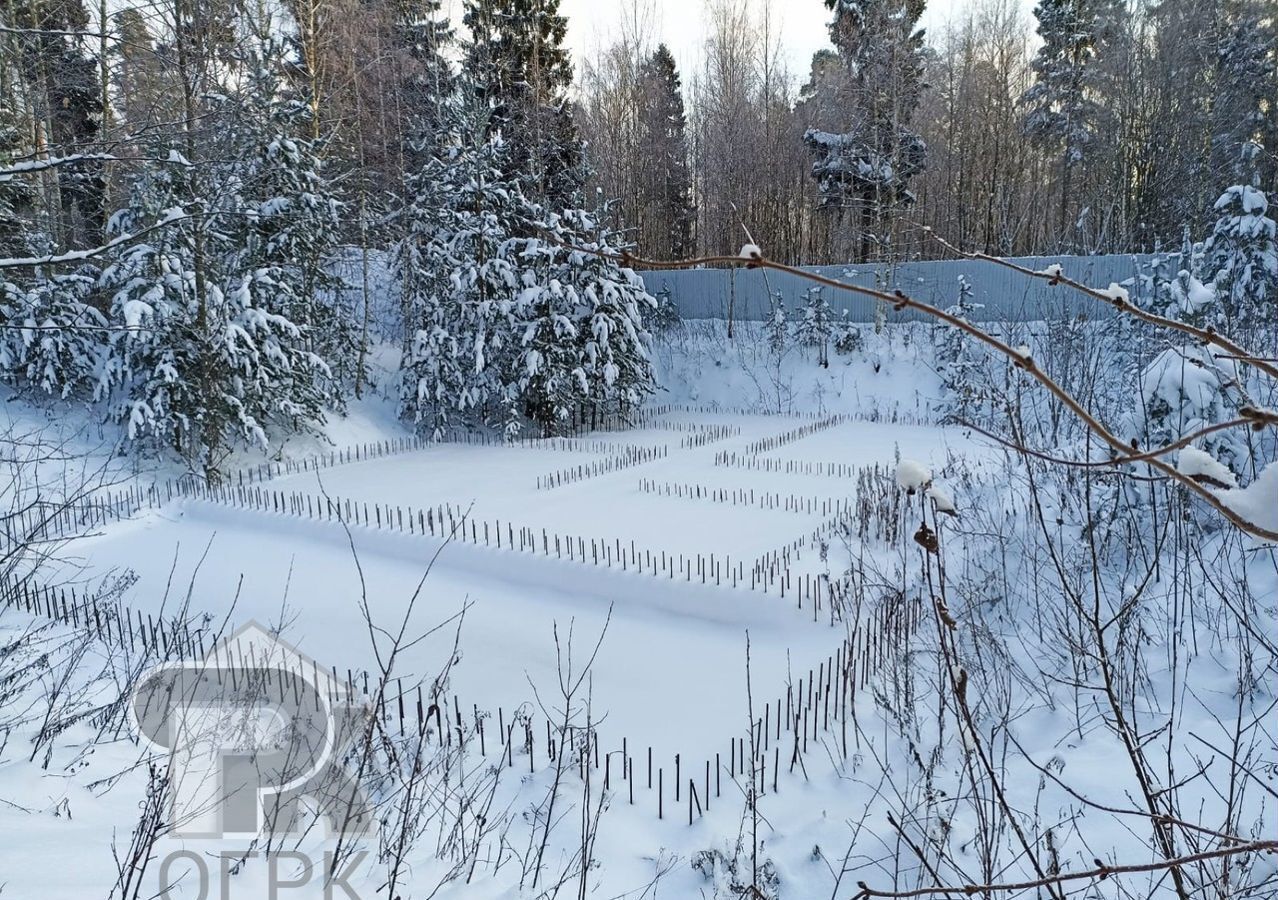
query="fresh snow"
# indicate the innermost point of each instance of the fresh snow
(1257, 502)
(671, 670)
(1116, 292)
(911, 475)
(1200, 466)
(942, 500)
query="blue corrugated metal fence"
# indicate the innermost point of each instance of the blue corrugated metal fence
(1006, 295)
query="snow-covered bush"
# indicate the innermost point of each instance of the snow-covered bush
(1241, 261)
(1172, 284)
(1184, 390)
(847, 335)
(663, 316)
(960, 362)
(57, 347)
(730, 873)
(816, 323)
(1188, 299)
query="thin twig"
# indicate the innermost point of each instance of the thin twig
(1101, 872)
(1021, 359)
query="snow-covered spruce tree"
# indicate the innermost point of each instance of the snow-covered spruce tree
(429, 81)
(459, 269)
(1174, 290)
(43, 52)
(1246, 83)
(52, 346)
(1063, 110)
(57, 345)
(1241, 261)
(866, 166)
(958, 361)
(40, 353)
(1229, 283)
(847, 337)
(816, 324)
(664, 315)
(665, 184)
(583, 346)
(200, 371)
(778, 326)
(517, 59)
(291, 230)
(1184, 390)
(18, 232)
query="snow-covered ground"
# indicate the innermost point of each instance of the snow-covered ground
(663, 634)
(749, 445)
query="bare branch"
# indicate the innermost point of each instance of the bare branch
(1101, 871)
(1206, 335)
(1021, 359)
(84, 255)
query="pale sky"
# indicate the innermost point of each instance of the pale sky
(680, 23)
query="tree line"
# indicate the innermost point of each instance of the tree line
(177, 178)
(1092, 126)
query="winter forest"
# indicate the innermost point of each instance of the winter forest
(441, 461)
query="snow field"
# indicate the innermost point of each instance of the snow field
(670, 675)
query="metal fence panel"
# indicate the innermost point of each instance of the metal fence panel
(1005, 295)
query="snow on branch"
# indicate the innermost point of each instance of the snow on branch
(29, 167)
(72, 256)
(1117, 297)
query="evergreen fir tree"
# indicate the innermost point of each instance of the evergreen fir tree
(1184, 390)
(1244, 135)
(663, 315)
(847, 336)
(430, 81)
(18, 233)
(1241, 260)
(201, 373)
(1189, 300)
(665, 182)
(292, 230)
(517, 60)
(778, 326)
(958, 361)
(508, 327)
(54, 56)
(1172, 286)
(1063, 107)
(868, 167)
(54, 342)
(583, 344)
(816, 324)
(1229, 283)
(459, 271)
